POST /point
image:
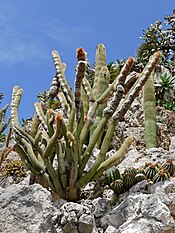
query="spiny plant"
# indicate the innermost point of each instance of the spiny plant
(149, 107)
(121, 183)
(59, 145)
(3, 124)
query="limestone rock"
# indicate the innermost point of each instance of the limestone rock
(26, 209)
(140, 212)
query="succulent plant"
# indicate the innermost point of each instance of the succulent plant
(139, 177)
(132, 170)
(150, 171)
(128, 180)
(117, 186)
(112, 174)
(61, 136)
(170, 166)
(161, 175)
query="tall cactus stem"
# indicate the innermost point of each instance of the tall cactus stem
(81, 68)
(149, 106)
(115, 159)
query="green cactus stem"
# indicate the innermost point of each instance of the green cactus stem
(112, 174)
(131, 170)
(139, 177)
(117, 186)
(149, 106)
(128, 180)
(169, 165)
(120, 79)
(3, 125)
(150, 171)
(162, 175)
(100, 62)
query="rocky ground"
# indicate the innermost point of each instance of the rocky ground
(144, 208)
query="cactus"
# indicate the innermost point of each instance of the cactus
(128, 180)
(139, 177)
(3, 125)
(111, 175)
(169, 165)
(60, 136)
(149, 106)
(117, 186)
(162, 175)
(131, 170)
(150, 171)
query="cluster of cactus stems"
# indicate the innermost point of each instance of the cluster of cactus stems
(69, 136)
(121, 183)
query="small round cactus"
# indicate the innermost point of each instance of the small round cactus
(112, 174)
(117, 186)
(162, 175)
(130, 170)
(139, 177)
(169, 165)
(150, 171)
(128, 180)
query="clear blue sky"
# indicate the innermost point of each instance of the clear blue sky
(31, 29)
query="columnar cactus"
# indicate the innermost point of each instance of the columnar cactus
(149, 106)
(60, 137)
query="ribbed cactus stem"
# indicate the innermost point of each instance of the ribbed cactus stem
(24, 156)
(64, 105)
(53, 91)
(3, 125)
(81, 68)
(88, 90)
(131, 79)
(34, 126)
(61, 165)
(115, 159)
(52, 142)
(32, 157)
(118, 81)
(102, 85)
(16, 97)
(107, 113)
(149, 106)
(100, 62)
(153, 61)
(61, 78)
(88, 122)
(41, 115)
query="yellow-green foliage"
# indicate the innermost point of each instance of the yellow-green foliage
(15, 168)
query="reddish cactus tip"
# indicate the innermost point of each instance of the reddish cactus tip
(131, 59)
(58, 117)
(49, 111)
(81, 54)
(158, 53)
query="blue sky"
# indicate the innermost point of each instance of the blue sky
(30, 30)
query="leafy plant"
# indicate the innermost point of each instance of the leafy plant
(159, 37)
